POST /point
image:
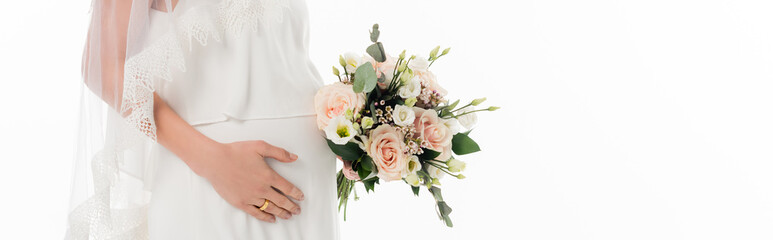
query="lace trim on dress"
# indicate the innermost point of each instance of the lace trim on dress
(155, 62)
(108, 214)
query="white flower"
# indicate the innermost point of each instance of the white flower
(353, 60)
(456, 165)
(412, 88)
(403, 115)
(413, 179)
(339, 130)
(434, 172)
(418, 64)
(467, 120)
(412, 165)
(453, 125)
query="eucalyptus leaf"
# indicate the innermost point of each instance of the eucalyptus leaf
(462, 144)
(376, 50)
(364, 78)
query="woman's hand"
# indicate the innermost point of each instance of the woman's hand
(240, 174)
(238, 171)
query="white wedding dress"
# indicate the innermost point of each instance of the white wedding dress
(243, 82)
(235, 70)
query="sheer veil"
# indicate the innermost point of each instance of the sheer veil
(133, 45)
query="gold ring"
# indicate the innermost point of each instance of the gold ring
(264, 206)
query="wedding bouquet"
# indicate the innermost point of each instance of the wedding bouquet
(388, 119)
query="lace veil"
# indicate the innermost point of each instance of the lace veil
(131, 45)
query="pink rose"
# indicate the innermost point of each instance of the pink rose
(433, 133)
(386, 147)
(387, 67)
(333, 100)
(429, 80)
(349, 173)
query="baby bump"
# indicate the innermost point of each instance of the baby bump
(188, 202)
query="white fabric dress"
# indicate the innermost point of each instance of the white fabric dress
(243, 82)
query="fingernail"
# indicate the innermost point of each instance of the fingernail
(301, 198)
(272, 220)
(286, 215)
(293, 156)
(297, 211)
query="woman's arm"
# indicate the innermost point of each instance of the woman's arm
(238, 171)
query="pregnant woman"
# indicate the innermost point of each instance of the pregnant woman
(210, 130)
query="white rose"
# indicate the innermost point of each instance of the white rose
(412, 88)
(340, 130)
(403, 115)
(419, 64)
(413, 179)
(468, 120)
(434, 172)
(412, 165)
(453, 125)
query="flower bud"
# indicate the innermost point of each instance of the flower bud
(410, 102)
(336, 72)
(460, 176)
(341, 60)
(413, 179)
(478, 101)
(413, 56)
(348, 114)
(456, 165)
(445, 51)
(433, 53)
(367, 122)
(402, 66)
(402, 55)
(492, 108)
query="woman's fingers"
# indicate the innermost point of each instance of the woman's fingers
(276, 211)
(267, 150)
(286, 187)
(257, 213)
(283, 202)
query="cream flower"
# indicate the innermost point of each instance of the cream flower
(413, 179)
(434, 172)
(340, 130)
(353, 60)
(412, 165)
(467, 120)
(385, 147)
(412, 88)
(334, 100)
(456, 165)
(418, 64)
(453, 124)
(403, 115)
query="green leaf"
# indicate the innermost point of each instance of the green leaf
(462, 144)
(366, 162)
(370, 184)
(429, 154)
(376, 51)
(415, 190)
(363, 173)
(364, 78)
(349, 152)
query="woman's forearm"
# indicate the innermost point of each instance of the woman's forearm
(181, 138)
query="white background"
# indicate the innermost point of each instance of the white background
(619, 120)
